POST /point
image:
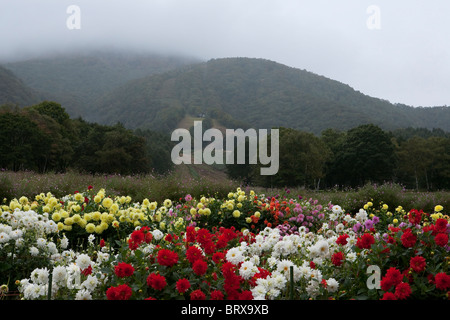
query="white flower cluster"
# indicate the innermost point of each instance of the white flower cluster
(14, 225)
(26, 231)
(67, 278)
(295, 250)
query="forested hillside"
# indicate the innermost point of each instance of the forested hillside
(416, 158)
(255, 93)
(43, 138)
(14, 91)
(76, 80)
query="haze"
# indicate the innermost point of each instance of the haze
(404, 59)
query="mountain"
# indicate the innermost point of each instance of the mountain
(159, 92)
(14, 91)
(257, 93)
(77, 79)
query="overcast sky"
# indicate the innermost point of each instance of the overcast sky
(396, 50)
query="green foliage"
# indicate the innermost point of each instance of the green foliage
(365, 155)
(77, 80)
(22, 143)
(353, 158)
(256, 93)
(158, 148)
(14, 91)
(43, 138)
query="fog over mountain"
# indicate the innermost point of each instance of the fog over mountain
(393, 50)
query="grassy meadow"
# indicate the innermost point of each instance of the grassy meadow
(199, 180)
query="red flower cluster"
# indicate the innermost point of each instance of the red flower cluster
(408, 238)
(442, 281)
(342, 239)
(167, 257)
(441, 239)
(337, 258)
(198, 295)
(194, 253)
(156, 281)
(232, 283)
(183, 285)
(87, 271)
(199, 267)
(217, 295)
(418, 263)
(121, 292)
(365, 241)
(225, 236)
(440, 226)
(139, 236)
(261, 274)
(218, 257)
(394, 279)
(123, 270)
(415, 216)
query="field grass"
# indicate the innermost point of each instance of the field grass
(393, 195)
(199, 180)
(185, 180)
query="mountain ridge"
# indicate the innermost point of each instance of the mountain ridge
(237, 92)
(74, 80)
(246, 89)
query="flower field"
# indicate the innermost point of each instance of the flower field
(246, 246)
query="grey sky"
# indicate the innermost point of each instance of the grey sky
(405, 61)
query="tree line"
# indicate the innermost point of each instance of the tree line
(43, 138)
(415, 158)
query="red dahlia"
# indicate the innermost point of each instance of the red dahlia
(190, 234)
(442, 281)
(402, 290)
(365, 241)
(408, 239)
(440, 225)
(197, 295)
(218, 257)
(167, 257)
(183, 285)
(418, 263)
(136, 238)
(203, 236)
(394, 275)
(217, 295)
(199, 267)
(193, 253)
(123, 270)
(441, 239)
(246, 295)
(415, 216)
(342, 239)
(389, 296)
(337, 258)
(156, 281)
(121, 292)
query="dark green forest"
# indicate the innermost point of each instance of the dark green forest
(43, 138)
(255, 93)
(415, 158)
(157, 92)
